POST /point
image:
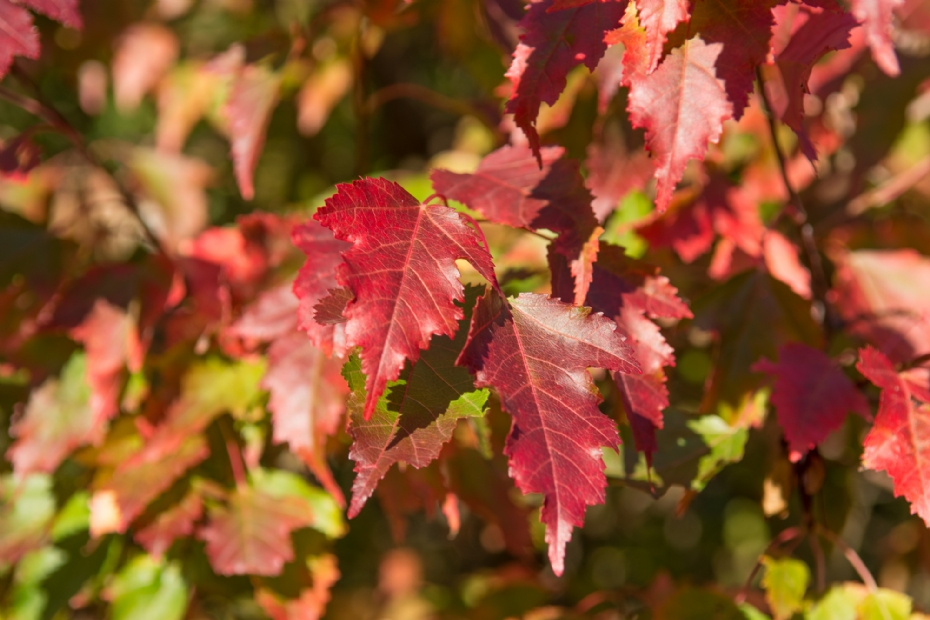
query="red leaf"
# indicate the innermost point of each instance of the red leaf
(252, 99)
(144, 53)
(252, 534)
(64, 11)
(813, 33)
(314, 282)
(417, 417)
(307, 400)
(582, 267)
(401, 269)
(510, 187)
(877, 19)
(744, 28)
(312, 601)
(882, 295)
(898, 442)
(58, 418)
(272, 315)
(811, 396)
(660, 17)
(536, 353)
(682, 105)
(553, 44)
(613, 173)
(18, 35)
(176, 522)
(110, 340)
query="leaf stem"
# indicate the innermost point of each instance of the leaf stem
(47, 112)
(851, 556)
(799, 216)
(785, 536)
(235, 455)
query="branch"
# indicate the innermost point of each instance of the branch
(59, 123)
(786, 536)
(799, 216)
(851, 556)
(427, 96)
(890, 189)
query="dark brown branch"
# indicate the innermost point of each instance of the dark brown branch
(59, 123)
(819, 284)
(851, 556)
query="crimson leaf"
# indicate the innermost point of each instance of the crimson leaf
(401, 270)
(535, 351)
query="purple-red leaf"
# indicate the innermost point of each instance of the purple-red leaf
(899, 442)
(401, 270)
(535, 351)
(811, 396)
(552, 45)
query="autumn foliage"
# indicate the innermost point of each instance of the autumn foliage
(568, 301)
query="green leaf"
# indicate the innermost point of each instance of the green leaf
(785, 583)
(26, 511)
(147, 589)
(726, 443)
(839, 603)
(73, 517)
(885, 605)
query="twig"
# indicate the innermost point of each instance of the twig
(820, 567)
(427, 96)
(920, 360)
(59, 123)
(799, 216)
(235, 455)
(786, 536)
(890, 189)
(359, 108)
(851, 556)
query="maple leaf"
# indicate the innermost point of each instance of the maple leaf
(898, 441)
(64, 11)
(417, 416)
(535, 351)
(511, 187)
(254, 95)
(18, 35)
(877, 19)
(582, 267)
(682, 105)
(811, 396)
(316, 280)
(629, 291)
(660, 17)
(250, 533)
(110, 341)
(753, 314)
(613, 172)
(307, 400)
(553, 44)
(176, 522)
(57, 419)
(744, 29)
(312, 601)
(880, 294)
(27, 509)
(143, 55)
(401, 270)
(813, 33)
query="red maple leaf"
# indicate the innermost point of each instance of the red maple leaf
(811, 396)
(535, 351)
(552, 45)
(176, 522)
(253, 98)
(812, 32)
(64, 11)
(660, 17)
(682, 105)
(18, 35)
(898, 442)
(401, 271)
(418, 415)
(316, 281)
(877, 19)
